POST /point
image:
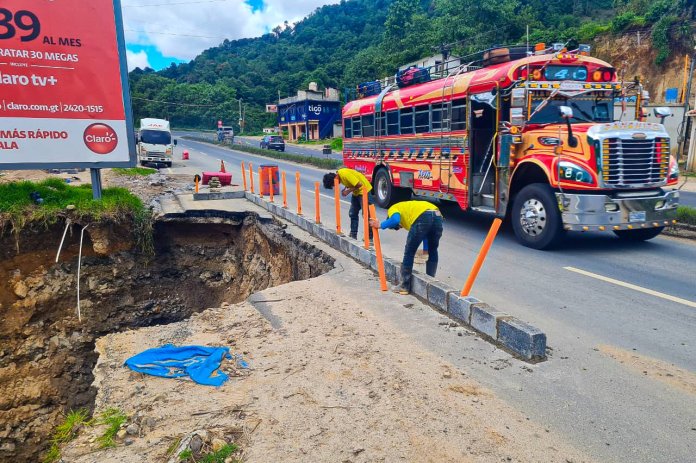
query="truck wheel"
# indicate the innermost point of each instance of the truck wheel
(535, 217)
(168, 164)
(642, 234)
(385, 192)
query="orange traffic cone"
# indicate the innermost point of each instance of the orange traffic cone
(222, 166)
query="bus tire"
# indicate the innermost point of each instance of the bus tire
(385, 192)
(642, 234)
(536, 219)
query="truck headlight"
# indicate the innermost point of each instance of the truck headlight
(674, 171)
(572, 172)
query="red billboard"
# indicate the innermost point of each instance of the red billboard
(63, 85)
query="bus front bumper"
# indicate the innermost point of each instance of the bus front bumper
(622, 211)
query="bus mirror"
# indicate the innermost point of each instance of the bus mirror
(175, 142)
(663, 112)
(518, 98)
(517, 116)
(566, 112)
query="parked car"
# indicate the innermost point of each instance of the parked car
(273, 142)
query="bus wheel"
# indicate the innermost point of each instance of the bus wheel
(535, 217)
(385, 192)
(642, 234)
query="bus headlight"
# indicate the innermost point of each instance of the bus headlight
(572, 172)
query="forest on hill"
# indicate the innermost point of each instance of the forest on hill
(358, 40)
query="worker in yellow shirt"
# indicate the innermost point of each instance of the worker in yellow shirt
(353, 182)
(423, 221)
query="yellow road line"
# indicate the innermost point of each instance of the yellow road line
(651, 292)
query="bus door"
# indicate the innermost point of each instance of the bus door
(483, 123)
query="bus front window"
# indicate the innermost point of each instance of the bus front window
(587, 107)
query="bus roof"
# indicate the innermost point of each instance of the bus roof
(460, 85)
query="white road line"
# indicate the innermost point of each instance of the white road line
(328, 197)
(651, 292)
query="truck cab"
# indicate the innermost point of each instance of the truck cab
(155, 142)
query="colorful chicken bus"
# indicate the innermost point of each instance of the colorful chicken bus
(529, 136)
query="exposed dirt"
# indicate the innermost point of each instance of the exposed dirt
(331, 381)
(47, 356)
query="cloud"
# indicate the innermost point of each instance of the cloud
(183, 30)
(137, 60)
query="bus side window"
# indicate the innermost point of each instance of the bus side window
(406, 121)
(422, 119)
(381, 125)
(357, 132)
(459, 114)
(438, 117)
(368, 126)
(347, 128)
(393, 122)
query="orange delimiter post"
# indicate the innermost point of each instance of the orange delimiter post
(251, 178)
(244, 176)
(270, 183)
(378, 251)
(260, 183)
(337, 201)
(316, 202)
(481, 257)
(285, 192)
(366, 226)
(297, 189)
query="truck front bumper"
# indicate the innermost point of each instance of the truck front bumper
(622, 211)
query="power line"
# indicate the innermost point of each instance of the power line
(177, 104)
(177, 35)
(170, 4)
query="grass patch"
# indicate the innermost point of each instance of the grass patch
(118, 204)
(214, 457)
(134, 171)
(324, 163)
(113, 418)
(686, 214)
(337, 144)
(65, 432)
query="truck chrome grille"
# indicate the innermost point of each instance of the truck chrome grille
(634, 162)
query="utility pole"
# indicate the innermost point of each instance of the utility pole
(241, 127)
(686, 119)
(638, 38)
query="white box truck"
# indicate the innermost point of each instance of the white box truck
(155, 143)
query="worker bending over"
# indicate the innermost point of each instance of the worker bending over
(423, 221)
(353, 182)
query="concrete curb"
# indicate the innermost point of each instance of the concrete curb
(515, 336)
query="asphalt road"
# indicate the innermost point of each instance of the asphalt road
(620, 318)
(687, 198)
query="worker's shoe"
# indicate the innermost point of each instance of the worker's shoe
(354, 236)
(431, 268)
(401, 290)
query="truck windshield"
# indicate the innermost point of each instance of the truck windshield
(588, 107)
(155, 137)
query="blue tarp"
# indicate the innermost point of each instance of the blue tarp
(200, 363)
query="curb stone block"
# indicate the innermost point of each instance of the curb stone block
(344, 245)
(438, 294)
(392, 270)
(334, 240)
(484, 319)
(365, 256)
(460, 307)
(354, 251)
(522, 338)
(419, 285)
(373, 261)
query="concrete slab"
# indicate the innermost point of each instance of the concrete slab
(484, 319)
(522, 338)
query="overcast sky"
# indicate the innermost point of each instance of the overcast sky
(159, 32)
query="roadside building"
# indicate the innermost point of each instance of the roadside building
(310, 114)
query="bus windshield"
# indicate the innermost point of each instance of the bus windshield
(587, 107)
(155, 137)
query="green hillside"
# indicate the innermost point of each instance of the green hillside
(356, 40)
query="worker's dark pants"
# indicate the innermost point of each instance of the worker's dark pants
(427, 225)
(354, 213)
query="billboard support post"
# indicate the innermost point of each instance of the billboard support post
(96, 183)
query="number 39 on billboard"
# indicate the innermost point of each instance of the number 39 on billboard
(64, 99)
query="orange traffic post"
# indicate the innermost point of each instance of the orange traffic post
(244, 176)
(299, 197)
(260, 183)
(378, 251)
(251, 178)
(285, 192)
(337, 201)
(481, 257)
(270, 184)
(366, 226)
(196, 178)
(316, 202)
